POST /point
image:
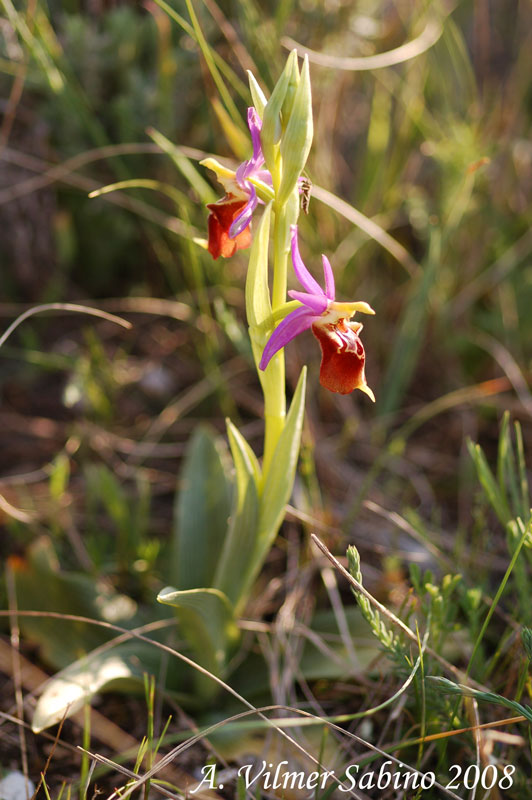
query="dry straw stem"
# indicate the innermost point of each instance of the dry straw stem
(53, 172)
(63, 307)
(396, 621)
(426, 39)
(61, 172)
(370, 228)
(301, 720)
(16, 672)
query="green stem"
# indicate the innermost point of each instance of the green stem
(280, 258)
(275, 398)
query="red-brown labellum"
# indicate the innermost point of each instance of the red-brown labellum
(222, 215)
(343, 357)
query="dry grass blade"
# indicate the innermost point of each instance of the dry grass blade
(406, 52)
(302, 718)
(276, 724)
(63, 307)
(369, 227)
(108, 762)
(15, 513)
(33, 679)
(510, 366)
(49, 759)
(70, 178)
(59, 172)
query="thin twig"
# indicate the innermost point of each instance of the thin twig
(370, 227)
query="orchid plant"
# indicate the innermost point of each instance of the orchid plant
(281, 130)
(215, 563)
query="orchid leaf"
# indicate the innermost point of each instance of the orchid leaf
(240, 541)
(246, 462)
(280, 479)
(202, 510)
(207, 623)
(278, 483)
(41, 584)
(120, 668)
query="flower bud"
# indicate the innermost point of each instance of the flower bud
(291, 89)
(297, 137)
(271, 121)
(257, 95)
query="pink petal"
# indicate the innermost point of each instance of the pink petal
(255, 125)
(295, 323)
(244, 218)
(303, 275)
(330, 290)
(251, 167)
(317, 302)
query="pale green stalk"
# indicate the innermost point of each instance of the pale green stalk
(275, 395)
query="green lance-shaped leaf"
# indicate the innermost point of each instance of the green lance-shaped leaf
(240, 541)
(493, 493)
(246, 463)
(207, 623)
(278, 484)
(291, 89)
(40, 583)
(257, 95)
(202, 511)
(119, 668)
(297, 138)
(271, 121)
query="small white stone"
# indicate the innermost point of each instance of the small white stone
(15, 787)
